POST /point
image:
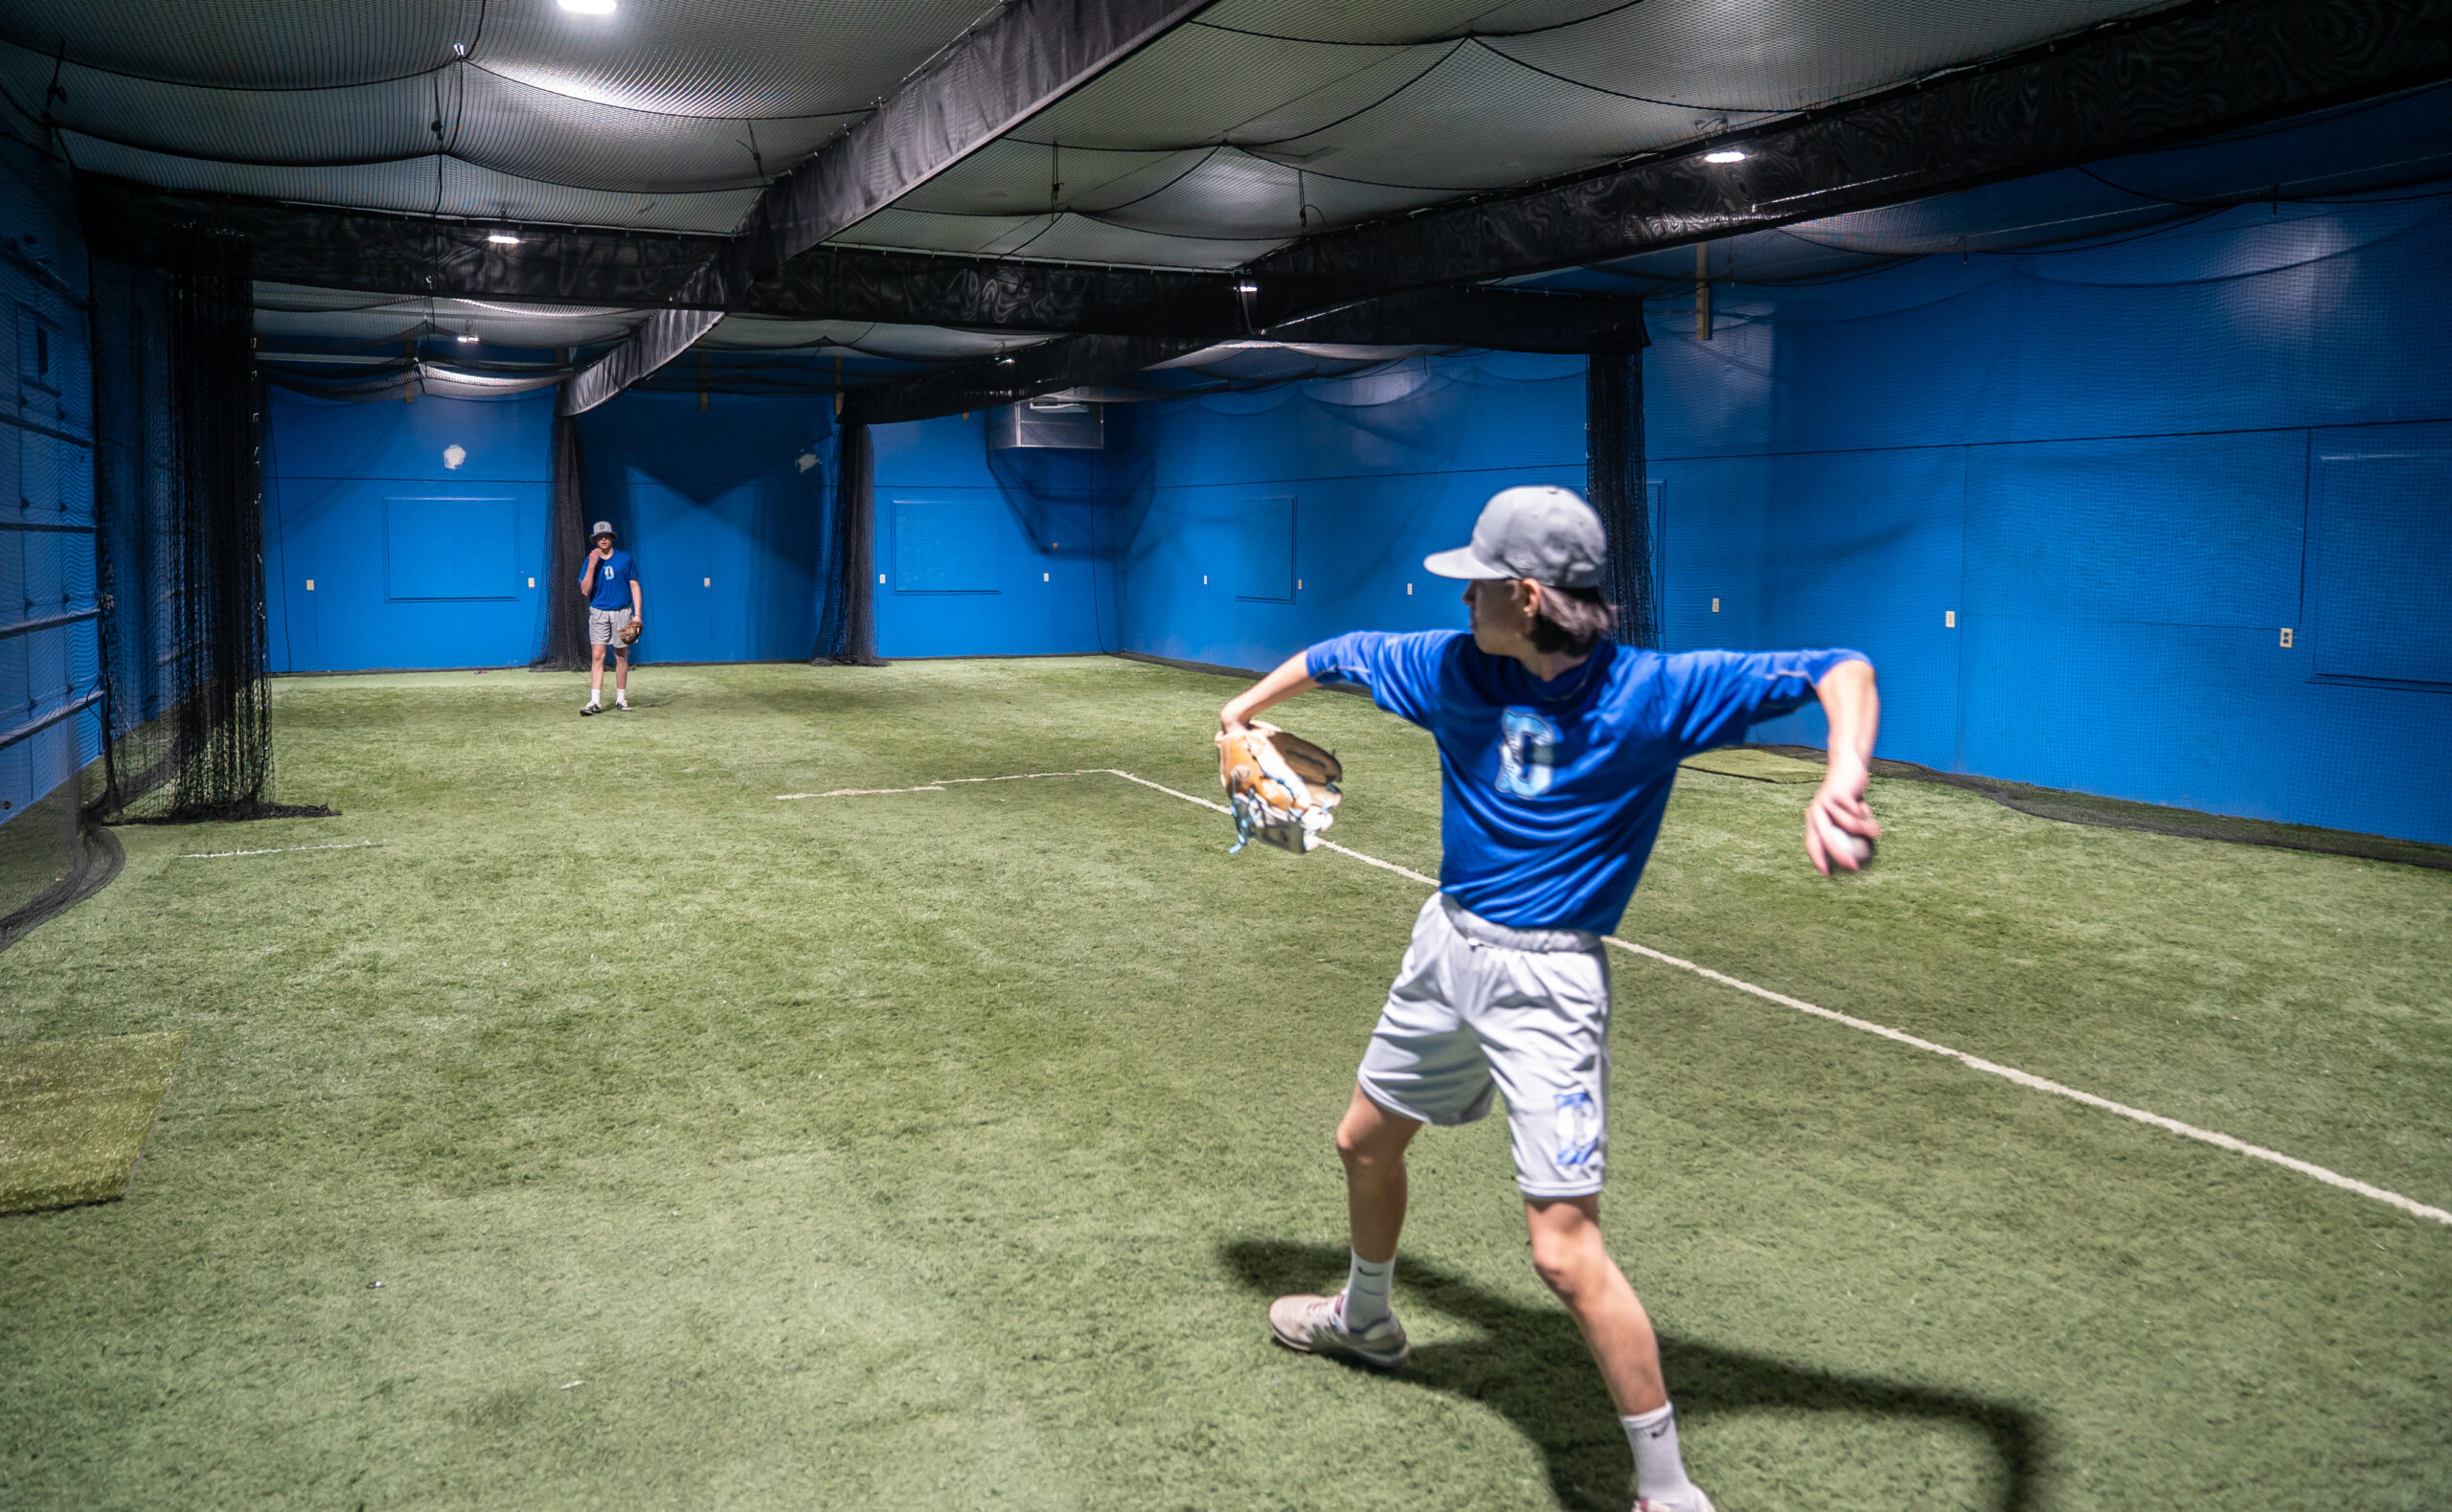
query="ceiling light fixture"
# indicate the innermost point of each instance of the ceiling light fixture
(467, 338)
(502, 238)
(588, 7)
(1724, 155)
(1247, 287)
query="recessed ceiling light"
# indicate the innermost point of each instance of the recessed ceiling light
(589, 7)
(1724, 155)
(502, 238)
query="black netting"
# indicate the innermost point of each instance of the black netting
(564, 648)
(1614, 482)
(847, 632)
(52, 857)
(180, 542)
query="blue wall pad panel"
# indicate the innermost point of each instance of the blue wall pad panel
(723, 510)
(1000, 553)
(2379, 568)
(947, 545)
(1262, 551)
(2125, 471)
(1375, 472)
(420, 526)
(46, 481)
(450, 548)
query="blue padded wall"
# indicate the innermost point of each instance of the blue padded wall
(1281, 518)
(721, 506)
(2124, 470)
(421, 560)
(999, 554)
(50, 657)
(420, 526)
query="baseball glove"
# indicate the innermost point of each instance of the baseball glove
(629, 632)
(1282, 788)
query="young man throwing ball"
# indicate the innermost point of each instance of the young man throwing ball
(1557, 750)
(611, 583)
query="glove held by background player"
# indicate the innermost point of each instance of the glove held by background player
(1282, 788)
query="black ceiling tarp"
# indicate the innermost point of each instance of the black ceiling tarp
(2122, 87)
(1022, 57)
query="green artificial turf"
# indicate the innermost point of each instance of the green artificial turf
(73, 1114)
(942, 1149)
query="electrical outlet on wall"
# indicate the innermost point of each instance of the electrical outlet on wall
(2285, 637)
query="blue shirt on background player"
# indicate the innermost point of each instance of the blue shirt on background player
(609, 584)
(1553, 791)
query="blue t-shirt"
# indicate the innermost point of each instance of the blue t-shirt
(1554, 791)
(611, 589)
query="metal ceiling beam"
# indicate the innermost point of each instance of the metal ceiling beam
(2126, 86)
(1024, 56)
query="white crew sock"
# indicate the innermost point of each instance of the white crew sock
(592, 699)
(1366, 1292)
(1660, 1471)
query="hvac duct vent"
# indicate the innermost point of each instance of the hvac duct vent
(1070, 424)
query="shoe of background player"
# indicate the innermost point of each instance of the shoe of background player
(591, 707)
(622, 704)
(1697, 1502)
(1311, 1325)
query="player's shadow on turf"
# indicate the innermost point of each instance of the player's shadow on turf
(1530, 1366)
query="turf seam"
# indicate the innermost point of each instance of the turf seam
(1977, 1062)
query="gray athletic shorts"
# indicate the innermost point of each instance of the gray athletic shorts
(605, 626)
(1478, 1009)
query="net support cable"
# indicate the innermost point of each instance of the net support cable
(1021, 58)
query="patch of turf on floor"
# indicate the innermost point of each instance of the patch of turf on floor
(1761, 766)
(941, 1150)
(73, 1114)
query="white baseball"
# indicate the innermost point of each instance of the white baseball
(1855, 847)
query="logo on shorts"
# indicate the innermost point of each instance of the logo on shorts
(1527, 750)
(1579, 1126)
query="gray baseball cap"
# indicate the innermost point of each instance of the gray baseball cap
(1536, 530)
(602, 527)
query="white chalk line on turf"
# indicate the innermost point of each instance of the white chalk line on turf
(276, 851)
(2009, 1074)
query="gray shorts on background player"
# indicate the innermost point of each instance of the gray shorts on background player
(1478, 1008)
(604, 627)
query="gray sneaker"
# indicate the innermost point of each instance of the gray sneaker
(1310, 1326)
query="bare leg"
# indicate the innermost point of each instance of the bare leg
(621, 672)
(1568, 1253)
(1372, 1142)
(595, 669)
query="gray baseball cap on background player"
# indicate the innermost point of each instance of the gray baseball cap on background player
(1536, 530)
(602, 527)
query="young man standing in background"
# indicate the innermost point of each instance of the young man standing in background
(611, 583)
